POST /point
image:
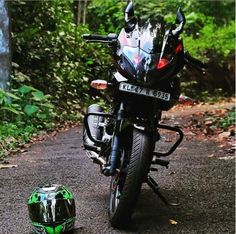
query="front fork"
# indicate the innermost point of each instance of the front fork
(116, 142)
(115, 148)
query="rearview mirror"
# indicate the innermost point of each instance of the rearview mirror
(130, 20)
(129, 11)
(180, 17)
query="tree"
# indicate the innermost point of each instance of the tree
(5, 58)
(80, 11)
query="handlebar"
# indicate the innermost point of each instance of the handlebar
(110, 38)
(195, 63)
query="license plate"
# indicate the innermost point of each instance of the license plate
(125, 87)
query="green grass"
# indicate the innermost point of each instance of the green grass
(13, 135)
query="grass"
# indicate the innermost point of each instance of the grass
(13, 135)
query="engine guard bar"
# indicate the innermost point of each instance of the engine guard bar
(88, 129)
(177, 143)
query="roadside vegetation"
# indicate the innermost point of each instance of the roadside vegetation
(228, 121)
(52, 66)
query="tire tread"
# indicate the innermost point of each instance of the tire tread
(138, 167)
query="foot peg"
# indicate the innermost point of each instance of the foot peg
(160, 162)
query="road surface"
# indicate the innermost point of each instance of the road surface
(200, 176)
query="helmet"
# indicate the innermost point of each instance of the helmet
(51, 209)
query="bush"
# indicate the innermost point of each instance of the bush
(23, 112)
(48, 48)
(208, 35)
(28, 105)
(229, 120)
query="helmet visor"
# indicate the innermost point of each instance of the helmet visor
(52, 211)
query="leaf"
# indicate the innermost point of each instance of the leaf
(90, 62)
(173, 222)
(30, 109)
(61, 33)
(38, 95)
(42, 116)
(20, 77)
(6, 100)
(6, 166)
(25, 89)
(47, 105)
(227, 157)
(12, 110)
(12, 96)
(15, 65)
(224, 135)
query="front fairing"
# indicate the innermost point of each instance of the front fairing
(138, 62)
(142, 50)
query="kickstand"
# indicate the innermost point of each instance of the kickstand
(154, 186)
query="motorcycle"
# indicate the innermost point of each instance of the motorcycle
(143, 82)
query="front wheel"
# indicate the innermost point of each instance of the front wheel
(126, 183)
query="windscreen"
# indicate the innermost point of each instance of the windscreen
(148, 37)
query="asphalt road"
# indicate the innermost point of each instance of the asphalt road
(198, 177)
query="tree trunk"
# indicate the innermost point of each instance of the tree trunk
(5, 56)
(80, 11)
(85, 11)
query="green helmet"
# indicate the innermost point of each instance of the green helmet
(51, 209)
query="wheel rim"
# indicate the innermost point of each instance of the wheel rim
(115, 193)
(116, 187)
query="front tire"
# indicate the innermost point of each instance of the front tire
(126, 184)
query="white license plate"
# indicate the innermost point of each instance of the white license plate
(125, 87)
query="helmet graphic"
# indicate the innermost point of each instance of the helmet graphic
(51, 209)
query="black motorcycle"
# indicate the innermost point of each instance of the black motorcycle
(143, 82)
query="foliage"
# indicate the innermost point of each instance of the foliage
(49, 49)
(109, 15)
(229, 120)
(212, 39)
(191, 89)
(209, 34)
(14, 134)
(111, 12)
(26, 104)
(23, 112)
(53, 66)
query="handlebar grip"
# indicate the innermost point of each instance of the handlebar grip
(195, 62)
(111, 39)
(95, 37)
